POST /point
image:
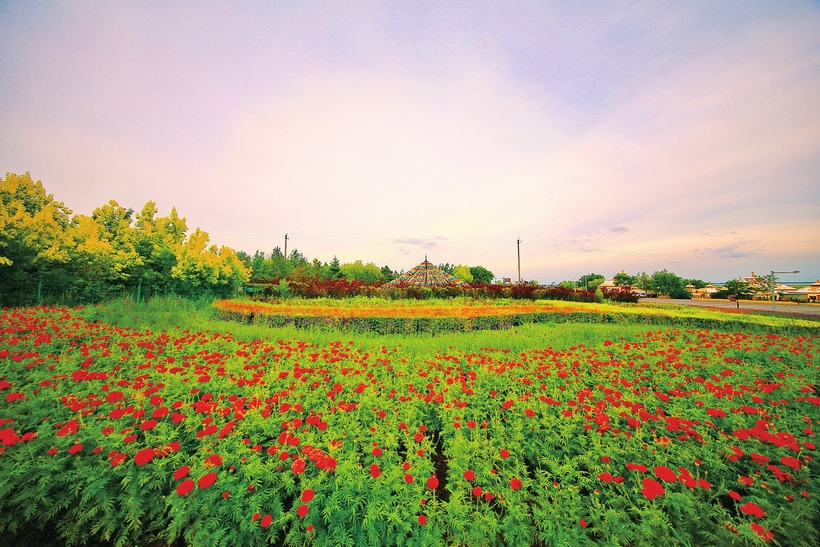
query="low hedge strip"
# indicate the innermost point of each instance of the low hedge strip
(441, 325)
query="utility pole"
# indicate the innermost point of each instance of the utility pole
(771, 281)
(518, 246)
(286, 247)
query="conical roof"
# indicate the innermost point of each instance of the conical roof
(425, 274)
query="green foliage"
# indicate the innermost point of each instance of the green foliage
(463, 273)
(591, 280)
(357, 271)
(47, 255)
(624, 279)
(481, 275)
(666, 283)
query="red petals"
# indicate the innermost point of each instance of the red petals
(665, 474)
(504, 453)
(606, 477)
(422, 520)
(752, 509)
(307, 495)
(432, 483)
(266, 521)
(652, 488)
(515, 484)
(469, 475)
(144, 456)
(207, 480)
(182, 472)
(302, 511)
(185, 486)
(375, 471)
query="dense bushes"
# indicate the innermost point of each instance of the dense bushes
(342, 288)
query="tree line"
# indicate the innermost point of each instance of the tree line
(48, 254)
(86, 258)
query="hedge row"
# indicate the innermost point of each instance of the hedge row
(441, 325)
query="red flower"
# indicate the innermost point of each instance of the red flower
(504, 453)
(515, 484)
(408, 478)
(144, 456)
(213, 461)
(432, 483)
(298, 466)
(606, 477)
(752, 509)
(764, 533)
(302, 511)
(637, 467)
(148, 425)
(266, 521)
(605, 459)
(422, 520)
(583, 523)
(185, 487)
(418, 437)
(469, 475)
(704, 484)
(652, 488)
(76, 448)
(207, 480)
(307, 495)
(375, 471)
(377, 452)
(734, 495)
(665, 474)
(182, 472)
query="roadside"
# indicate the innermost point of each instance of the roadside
(780, 307)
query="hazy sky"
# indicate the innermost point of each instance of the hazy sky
(604, 135)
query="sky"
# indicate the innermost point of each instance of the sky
(604, 136)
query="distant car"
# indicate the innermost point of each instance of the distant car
(639, 293)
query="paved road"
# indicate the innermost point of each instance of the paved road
(783, 307)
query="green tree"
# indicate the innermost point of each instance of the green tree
(446, 268)
(667, 283)
(591, 281)
(205, 267)
(335, 268)
(463, 273)
(642, 281)
(624, 279)
(388, 274)
(481, 275)
(366, 273)
(734, 289)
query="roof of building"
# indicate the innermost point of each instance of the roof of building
(425, 274)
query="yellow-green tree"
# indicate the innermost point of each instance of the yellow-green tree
(33, 228)
(463, 272)
(207, 267)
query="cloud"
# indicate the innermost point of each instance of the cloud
(727, 251)
(424, 243)
(619, 229)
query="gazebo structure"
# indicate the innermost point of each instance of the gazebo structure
(425, 274)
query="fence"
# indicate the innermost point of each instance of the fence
(44, 292)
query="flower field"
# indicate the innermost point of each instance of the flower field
(669, 437)
(384, 316)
